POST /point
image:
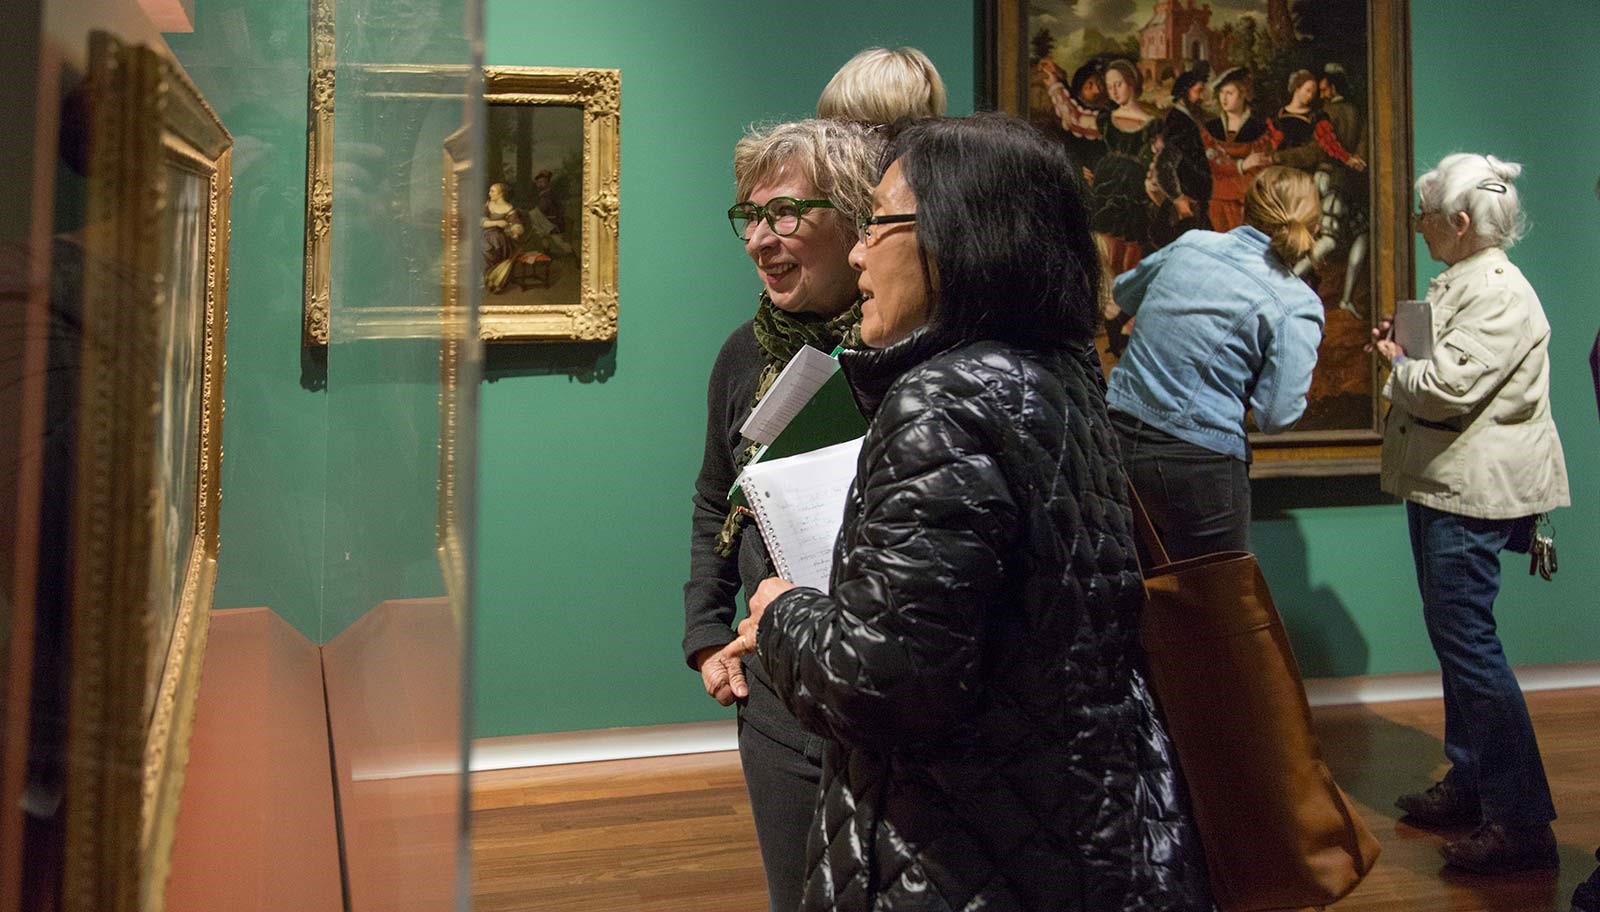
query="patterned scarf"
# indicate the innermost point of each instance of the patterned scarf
(779, 334)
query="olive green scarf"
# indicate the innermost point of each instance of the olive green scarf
(779, 334)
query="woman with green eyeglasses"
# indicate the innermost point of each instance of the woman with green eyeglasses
(799, 188)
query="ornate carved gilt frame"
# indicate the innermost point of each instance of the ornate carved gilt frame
(131, 700)
(590, 318)
(319, 176)
(593, 316)
(1004, 62)
(455, 347)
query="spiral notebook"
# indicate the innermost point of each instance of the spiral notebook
(798, 502)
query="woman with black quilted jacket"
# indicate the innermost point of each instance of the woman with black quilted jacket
(974, 664)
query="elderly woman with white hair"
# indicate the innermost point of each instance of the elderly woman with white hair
(1471, 447)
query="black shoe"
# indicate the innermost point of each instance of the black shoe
(1496, 849)
(1442, 804)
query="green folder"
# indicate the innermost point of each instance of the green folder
(830, 416)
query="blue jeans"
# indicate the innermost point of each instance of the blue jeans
(1488, 736)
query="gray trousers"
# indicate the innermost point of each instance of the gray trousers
(783, 785)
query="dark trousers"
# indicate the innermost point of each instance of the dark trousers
(784, 784)
(1198, 499)
(1488, 736)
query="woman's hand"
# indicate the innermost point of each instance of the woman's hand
(1383, 342)
(723, 674)
(770, 588)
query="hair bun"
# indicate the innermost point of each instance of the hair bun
(1292, 241)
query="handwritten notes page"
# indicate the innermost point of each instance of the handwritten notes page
(801, 378)
(799, 506)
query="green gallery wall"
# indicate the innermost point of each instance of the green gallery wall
(587, 453)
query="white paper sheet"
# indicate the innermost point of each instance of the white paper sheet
(796, 384)
(799, 506)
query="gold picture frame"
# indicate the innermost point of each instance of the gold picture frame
(455, 354)
(1341, 433)
(319, 178)
(570, 296)
(148, 472)
(557, 130)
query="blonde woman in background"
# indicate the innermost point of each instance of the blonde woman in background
(1222, 328)
(880, 86)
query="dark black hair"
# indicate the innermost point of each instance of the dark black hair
(1096, 67)
(1001, 223)
(1335, 75)
(1188, 80)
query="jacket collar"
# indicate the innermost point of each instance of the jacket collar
(1251, 235)
(1483, 259)
(871, 371)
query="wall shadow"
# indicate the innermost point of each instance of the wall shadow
(584, 362)
(1327, 641)
(313, 367)
(1272, 498)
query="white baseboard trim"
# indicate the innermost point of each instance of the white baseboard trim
(1425, 685)
(518, 751)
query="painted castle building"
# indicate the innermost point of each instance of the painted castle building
(1178, 36)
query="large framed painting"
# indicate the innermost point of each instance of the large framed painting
(148, 471)
(1322, 85)
(550, 209)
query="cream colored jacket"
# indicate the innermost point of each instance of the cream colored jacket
(1470, 430)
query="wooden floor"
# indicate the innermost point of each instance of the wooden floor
(675, 833)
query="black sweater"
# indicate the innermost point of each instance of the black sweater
(708, 596)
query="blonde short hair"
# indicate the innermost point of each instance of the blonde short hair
(838, 159)
(880, 86)
(1283, 204)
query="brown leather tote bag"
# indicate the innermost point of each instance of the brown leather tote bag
(1278, 832)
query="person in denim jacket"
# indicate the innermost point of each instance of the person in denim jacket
(1222, 327)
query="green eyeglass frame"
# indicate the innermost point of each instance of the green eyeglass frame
(781, 213)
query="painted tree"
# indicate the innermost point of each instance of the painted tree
(1044, 44)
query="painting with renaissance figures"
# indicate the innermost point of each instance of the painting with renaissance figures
(1169, 107)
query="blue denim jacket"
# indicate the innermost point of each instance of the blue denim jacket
(1220, 326)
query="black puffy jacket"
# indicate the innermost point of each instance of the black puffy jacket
(977, 663)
